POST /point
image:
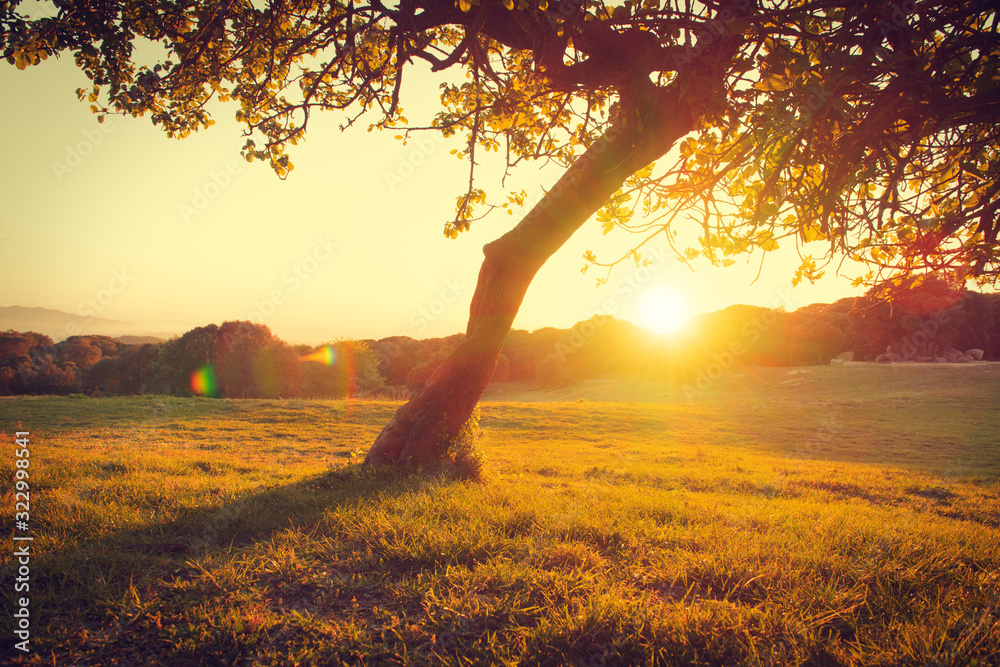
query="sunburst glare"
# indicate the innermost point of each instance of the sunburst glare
(663, 309)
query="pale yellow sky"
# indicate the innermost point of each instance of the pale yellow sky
(120, 222)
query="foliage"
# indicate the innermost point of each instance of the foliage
(180, 357)
(422, 372)
(241, 350)
(926, 319)
(15, 343)
(127, 374)
(276, 371)
(243, 359)
(354, 372)
(868, 129)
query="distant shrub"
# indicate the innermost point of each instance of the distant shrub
(551, 371)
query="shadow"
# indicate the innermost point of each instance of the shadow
(89, 597)
(302, 503)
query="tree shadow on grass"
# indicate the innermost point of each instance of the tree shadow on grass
(107, 600)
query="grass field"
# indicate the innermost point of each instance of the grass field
(841, 515)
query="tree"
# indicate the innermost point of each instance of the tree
(341, 369)
(816, 341)
(18, 355)
(127, 374)
(867, 126)
(240, 359)
(79, 350)
(277, 371)
(922, 322)
(17, 343)
(180, 357)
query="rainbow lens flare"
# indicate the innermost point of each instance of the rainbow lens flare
(203, 381)
(323, 355)
(342, 358)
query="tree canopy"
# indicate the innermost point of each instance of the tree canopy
(868, 126)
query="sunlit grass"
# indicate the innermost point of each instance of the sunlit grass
(843, 520)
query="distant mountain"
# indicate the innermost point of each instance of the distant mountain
(139, 340)
(58, 324)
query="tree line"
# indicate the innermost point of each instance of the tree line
(235, 360)
(932, 322)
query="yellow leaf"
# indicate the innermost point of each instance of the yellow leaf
(772, 82)
(812, 233)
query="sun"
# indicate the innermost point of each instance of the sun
(663, 309)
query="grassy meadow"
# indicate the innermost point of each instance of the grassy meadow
(838, 515)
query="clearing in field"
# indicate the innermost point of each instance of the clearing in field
(842, 515)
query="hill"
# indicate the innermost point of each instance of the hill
(139, 340)
(56, 324)
(933, 322)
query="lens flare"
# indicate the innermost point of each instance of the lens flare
(203, 381)
(323, 355)
(343, 361)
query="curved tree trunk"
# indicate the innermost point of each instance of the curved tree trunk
(415, 433)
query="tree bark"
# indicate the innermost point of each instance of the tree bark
(416, 432)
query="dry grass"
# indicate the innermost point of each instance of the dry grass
(840, 516)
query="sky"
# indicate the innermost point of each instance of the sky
(117, 221)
